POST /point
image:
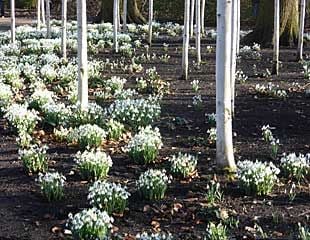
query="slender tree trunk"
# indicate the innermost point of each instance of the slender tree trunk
(238, 27)
(82, 55)
(115, 24)
(192, 18)
(38, 14)
(224, 142)
(185, 40)
(276, 37)
(43, 11)
(118, 17)
(48, 18)
(301, 30)
(125, 15)
(203, 9)
(150, 21)
(234, 33)
(64, 29)
(198, 32)
(13, 21)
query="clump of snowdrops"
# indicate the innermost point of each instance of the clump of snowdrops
(145, 145)
(135, 112)
(216, 232)
(183, 164)
(52, 185)
(257, 177)
(90, 224)
(22, 119)
(93, 164)
(88, 136)
(153, 184)
(109, 197)
(297, 167)
(34, 158)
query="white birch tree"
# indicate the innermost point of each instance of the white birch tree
(38, 14)
(118, 17)
(185, 40)
(64, 29)
(203, 9)
(43, 12)
(198, 32)
(234, 32)
(238, 27)
(301, 30)
(82, 55)
(13, 21)
(115, 28)
(48, 19)
(224, 141)
(125, 15)
(276, 37)
(150, 21)
(192, 18)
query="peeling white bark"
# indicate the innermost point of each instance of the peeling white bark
(224, 142)
(276, 37)
(150, 21)
(198, 32)
(13, 21)
(115, 26)
(82, 55)
(48, 19)
(64, 29)
(301, 30)
(38, 14)
(185, 40)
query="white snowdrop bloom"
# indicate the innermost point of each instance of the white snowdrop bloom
(256, 176)
(183, 164)
(89, 223)
(21, 118)
(296, 166)
(107, 196)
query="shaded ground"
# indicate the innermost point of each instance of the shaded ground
(25, 215)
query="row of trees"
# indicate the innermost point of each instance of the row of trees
(228, 38)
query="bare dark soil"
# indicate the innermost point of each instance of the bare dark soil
(24, 214)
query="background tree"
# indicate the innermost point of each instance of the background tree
(133, 12)
(263, 31)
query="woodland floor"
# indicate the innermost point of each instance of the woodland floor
(183, 212)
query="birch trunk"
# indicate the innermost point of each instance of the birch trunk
(203, 9)
(234, 32)
(150, 21)
(43, 11)
(301, 30)
(118, 17)
(48, 19)
(64, 29)
(192, 18)
(276, 37)
(198, 32)
(185, 40)
(13, 21)
(238, 27)
(125, 15)
(224, 142)
(38, 14)
(82, 55)
(115, 24)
